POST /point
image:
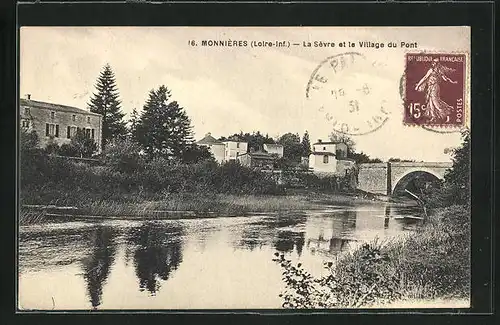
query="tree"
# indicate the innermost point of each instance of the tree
(292, 147)
(255, 140)
(306, 145)
(164, 129)
(106, 103)
(134, 121)
(29, 141)
(81, 145)
(361, 158)
(194, 154)
(400, 160)
(457, 179)
(339, 137)
(123, 155)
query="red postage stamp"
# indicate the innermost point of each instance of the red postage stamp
(435, 89)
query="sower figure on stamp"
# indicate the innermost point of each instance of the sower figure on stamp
(436, 107)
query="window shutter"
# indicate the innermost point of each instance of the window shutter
(93, 133)
(68, 134)
(46, 129)
(57, 130)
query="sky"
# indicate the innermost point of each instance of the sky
(225, 90)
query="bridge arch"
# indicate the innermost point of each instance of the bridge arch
(401, 181)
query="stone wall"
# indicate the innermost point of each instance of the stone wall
(372, 177)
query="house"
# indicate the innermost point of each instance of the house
(330, 158)
(223, 150)
(216, 147)
(234, 148)
(58, 123)
(274, 149)
(257, 159)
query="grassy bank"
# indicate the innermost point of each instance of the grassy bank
(37, 202)
(429, 264)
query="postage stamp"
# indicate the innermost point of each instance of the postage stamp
(435, 90)
(347, 95)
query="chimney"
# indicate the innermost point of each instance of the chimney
(28, 96)
(319, 140)
(208, 134)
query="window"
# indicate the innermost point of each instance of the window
(93, 133)
(26, 110)
(237, 144)
(325, 159)
(87, 133)
(73, 117)
(51, 130)
(68, 132)
(88, 119)
(52, 115)
(324, 148)
(25, 123)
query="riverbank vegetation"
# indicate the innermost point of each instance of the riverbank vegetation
(124, 182)
(430, 263)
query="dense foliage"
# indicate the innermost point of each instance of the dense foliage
(255, 140)
(81, 145)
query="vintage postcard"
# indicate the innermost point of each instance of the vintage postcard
(181, 168)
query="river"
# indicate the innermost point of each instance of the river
(213, 263)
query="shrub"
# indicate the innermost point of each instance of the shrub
(123, 155)
(361, 280)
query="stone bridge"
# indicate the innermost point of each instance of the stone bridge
(383, 178)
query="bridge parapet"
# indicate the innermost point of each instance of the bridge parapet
(382, 178)
(421, 164)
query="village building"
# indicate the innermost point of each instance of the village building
(55, 123)
(274, 149)
(234, 148)
(217, 148)
(223, 151)
(257, 159)
(330, 158)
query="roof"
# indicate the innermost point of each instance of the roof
(322, 153)
(273, 145)
(259, 154)
(328, 142)
(55, 107)
(209, 139)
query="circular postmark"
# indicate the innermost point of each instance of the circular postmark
(349, 92)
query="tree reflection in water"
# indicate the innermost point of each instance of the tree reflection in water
(158, 252)
(342, 223)
(97, 266)
(287, 240)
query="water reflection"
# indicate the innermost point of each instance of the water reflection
(185, 263)
(333, 232)
(287, 240)
(158, 252)
(97, 266)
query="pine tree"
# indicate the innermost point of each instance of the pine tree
(134, 121)
(106, 103)
(306, 145)
(164, 129)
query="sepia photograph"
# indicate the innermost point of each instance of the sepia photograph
(249, 168)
